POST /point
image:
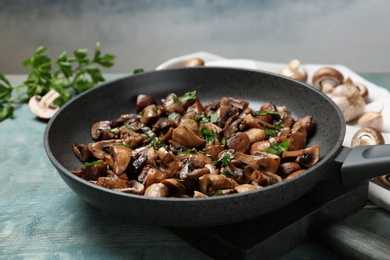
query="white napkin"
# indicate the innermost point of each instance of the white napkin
(378, 98)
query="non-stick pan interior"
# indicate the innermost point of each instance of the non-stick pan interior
(73, 123)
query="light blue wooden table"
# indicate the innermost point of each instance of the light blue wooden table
(41, 218)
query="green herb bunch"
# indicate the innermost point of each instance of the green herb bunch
(67, 75)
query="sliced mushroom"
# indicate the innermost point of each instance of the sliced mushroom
(92, 173)
(134, 188)
(306, 123)
(121, 156)
(209, 184)
(112, 183)
(82, 152)
(157, 190)
(169, 163)
(287, 168)
(198, 194)
(297, 141)
(176, 187)
(306, 157)
(255, 135)
(150, 114)
(143, 101)
(43, 107)
(265, 178)
(326, 79)
(260, 147)
(98, 128)
(171, 104)
(295, 174)
(239, 142)
(153, 176)
(247, 187)
(186, 137)
(197, 159)
(367, 136)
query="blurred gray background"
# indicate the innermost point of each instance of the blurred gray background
(145, 33)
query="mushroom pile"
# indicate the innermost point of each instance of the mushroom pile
(182, 148)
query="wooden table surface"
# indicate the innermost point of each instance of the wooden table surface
(41, 218)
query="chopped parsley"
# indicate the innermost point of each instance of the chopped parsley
(265, 112)
(154, 142)
(189, 96)
(272, 132)
(89, 164)
(205, 119)
(224, 159)
(208, 135)
(278, 148)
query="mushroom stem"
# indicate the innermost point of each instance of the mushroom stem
(49, 98)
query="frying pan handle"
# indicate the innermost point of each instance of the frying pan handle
(364, 162)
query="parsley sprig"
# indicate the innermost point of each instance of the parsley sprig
(68, 75)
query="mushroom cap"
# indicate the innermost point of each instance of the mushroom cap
(327, 74)
(295, 71)
(194, 62)
(367, 136)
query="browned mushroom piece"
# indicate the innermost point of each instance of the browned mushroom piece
(113, 183)
(209, 184)
(189, 172)
(186, 137)
(93, 172)
(306, 123)
(143, 101)
(134, 188)
(198, 160)
(235, 171)
(260, 147)
(367, 136)
(326, 79)
(295, 174)
(247, 187)
(157, 190)
(82, 152)
(239, 142)
(153, 175)
(287, 168)
(194, 62)
(150, 114)
(98, 128)
(99, 151)
(264, 161)
(198, 194)
(297, 140)
(121, 156)
(306, 157)
(176, 187)
(169, 163)
(172, 104)
(265, 178)
(255, 135)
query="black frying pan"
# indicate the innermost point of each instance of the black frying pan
(73, 122)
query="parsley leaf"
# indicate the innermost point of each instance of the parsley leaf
(278, 148)
(265, 112)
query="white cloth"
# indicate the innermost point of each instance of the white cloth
(378, 98)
